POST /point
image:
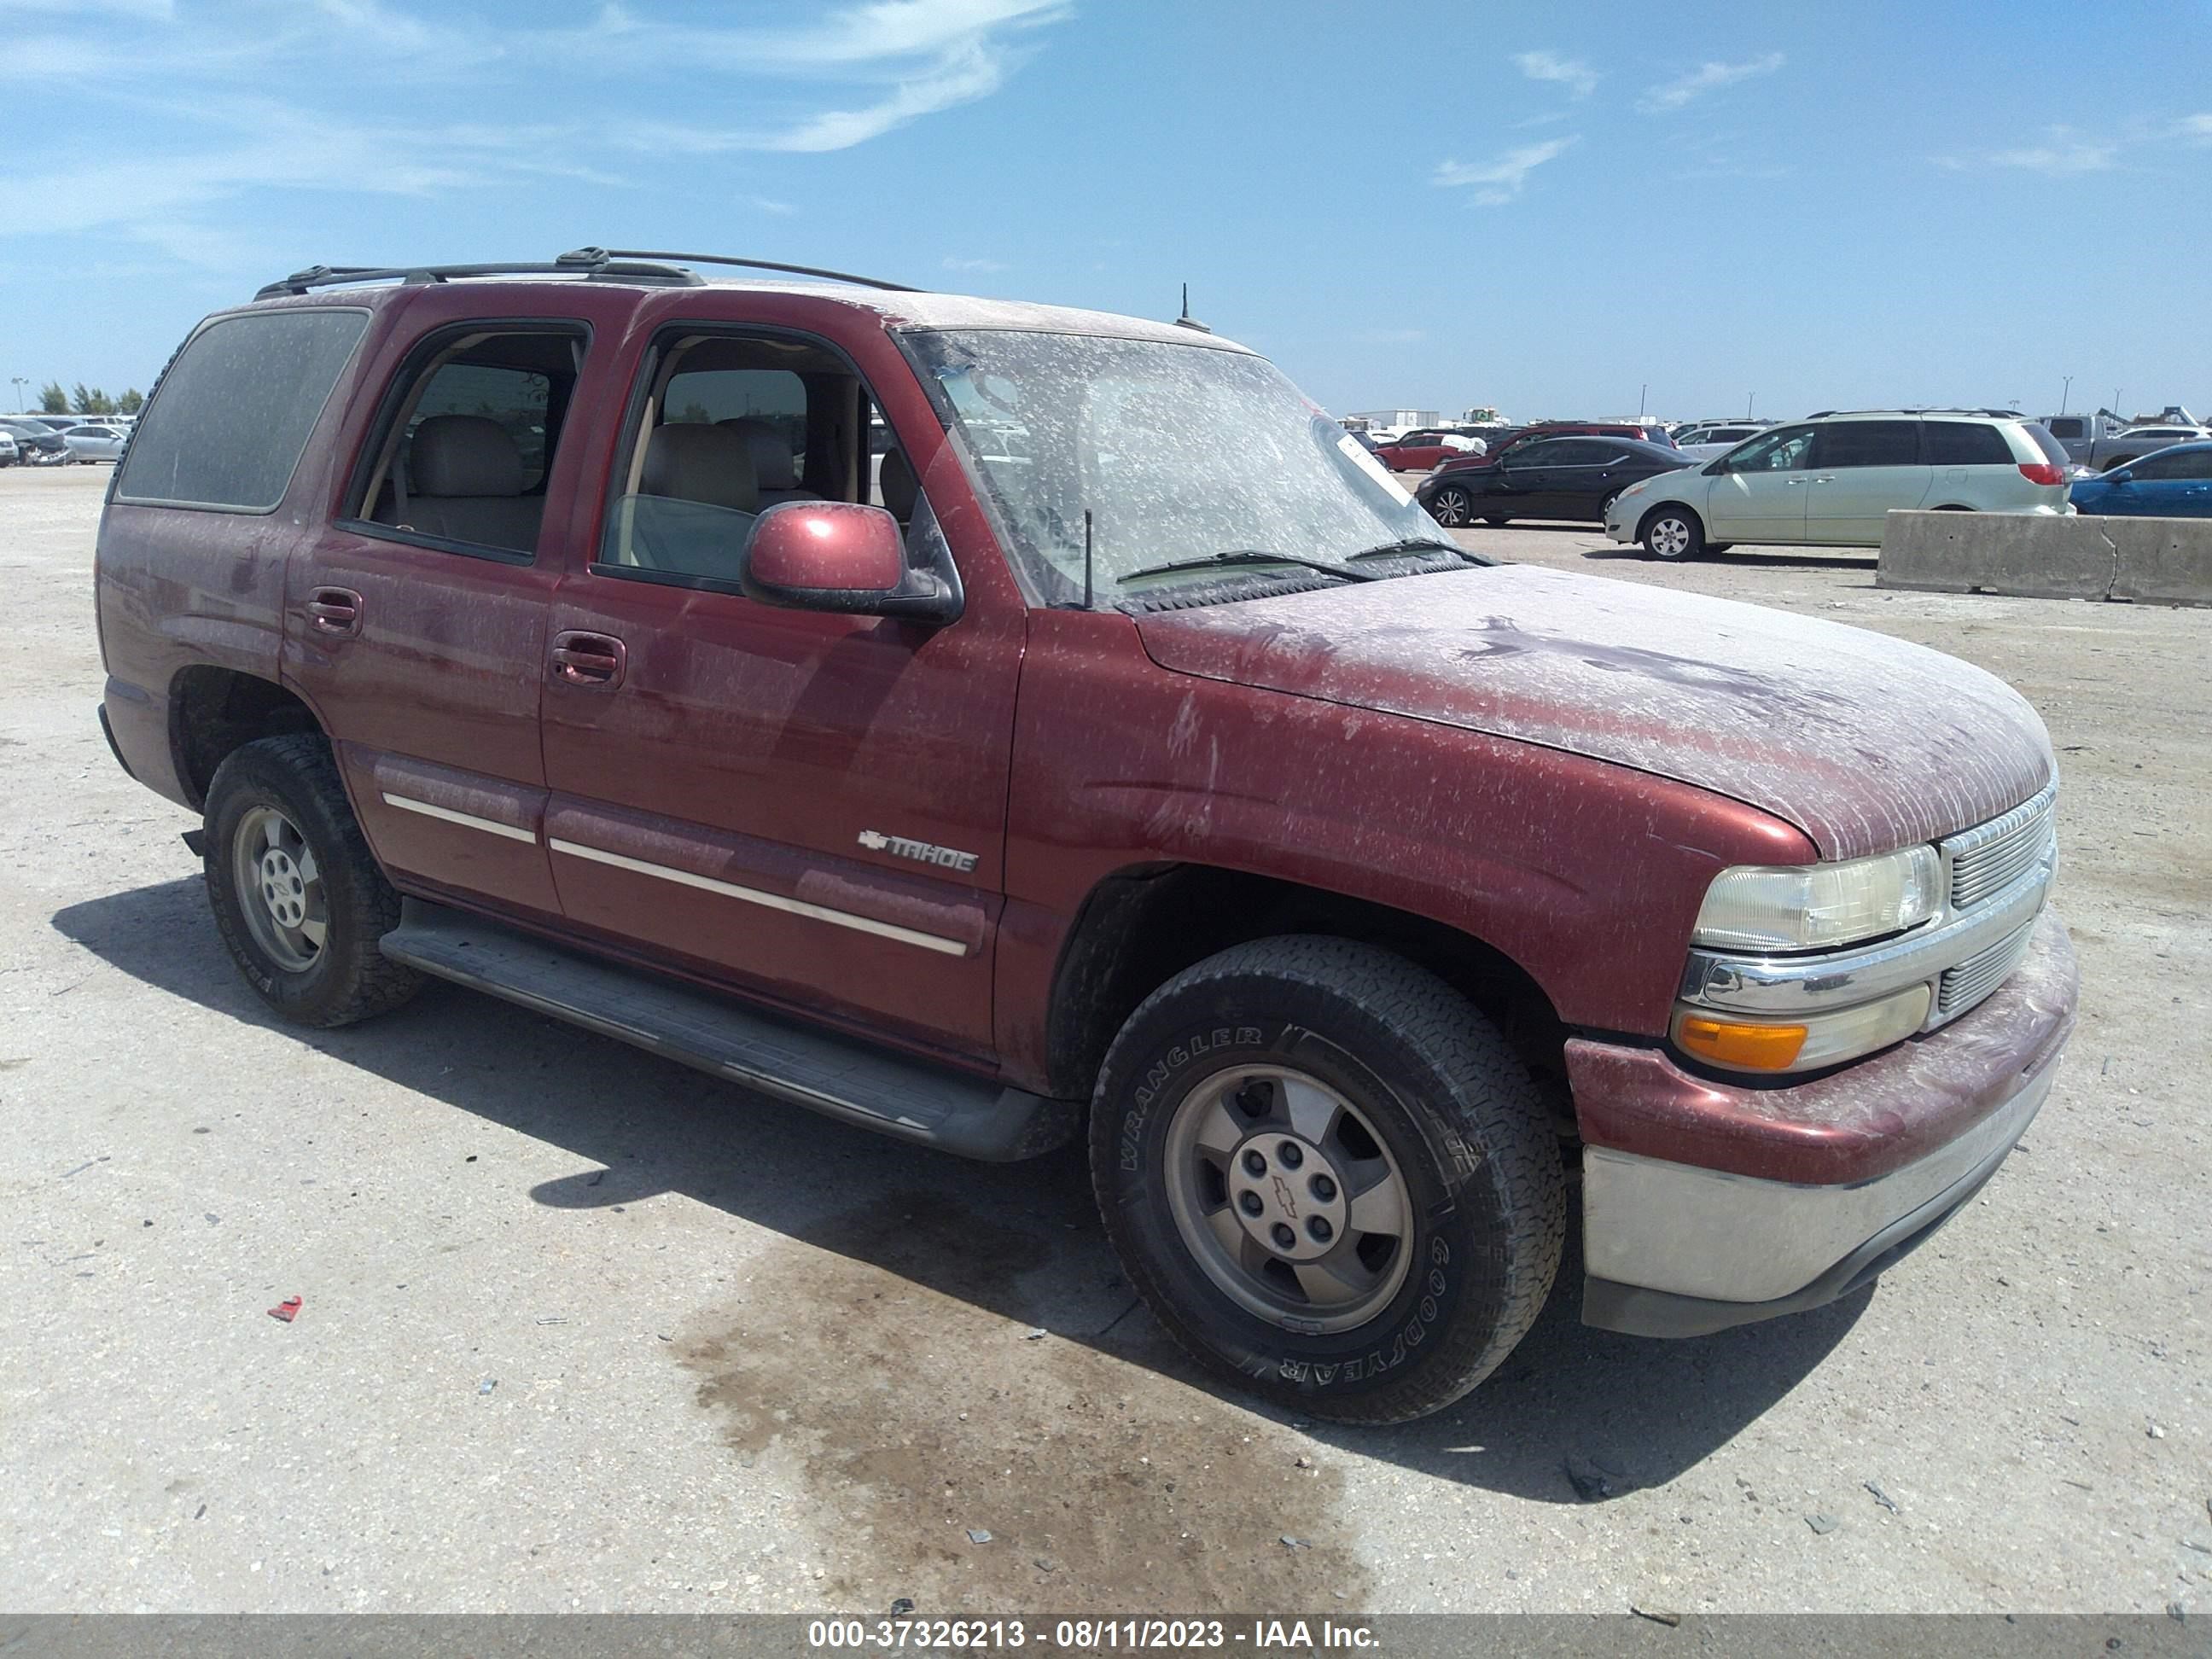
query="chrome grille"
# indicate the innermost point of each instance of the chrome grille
(1990, 857)
(1967, 984)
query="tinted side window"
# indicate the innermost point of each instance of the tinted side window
(1963, 443)
(1539, 453)
(1867, 443)
(2064, 427)
(2174, 464)
(232, 414)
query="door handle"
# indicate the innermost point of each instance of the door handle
(335, 611)
(1829, 479)
(590, 659)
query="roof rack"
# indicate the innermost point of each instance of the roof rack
(1926, 409)
(605, 267)
(612, 264)
(584, 254)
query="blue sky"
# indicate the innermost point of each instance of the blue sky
(1543, 208)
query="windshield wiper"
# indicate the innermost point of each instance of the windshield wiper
(1246, 556)
(1417, 544)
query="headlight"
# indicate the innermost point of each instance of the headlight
(1813, 906)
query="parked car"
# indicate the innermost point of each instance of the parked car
(36, 443)
(93, 443)
(1648, 431)
(2167, 483)
(1703, 443)
(1572, 479)
(1831, 480)
(9, 453)
(2103, 440)
(1398, 887)
(1425, 448)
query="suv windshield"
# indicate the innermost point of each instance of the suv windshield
(1178, 453)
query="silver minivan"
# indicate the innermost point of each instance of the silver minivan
(1829, 481)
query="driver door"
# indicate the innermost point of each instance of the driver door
(808, 807)
(1761, 495)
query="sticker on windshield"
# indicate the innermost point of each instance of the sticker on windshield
(1374, 469)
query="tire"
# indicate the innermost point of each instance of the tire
(1719, 547)
(297, 895)
(1672, 532)
(1412, 1108)
(2114, 462)
(1497, 523)
(1452, 507)
(1953, 506)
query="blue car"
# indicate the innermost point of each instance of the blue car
(2166, 484)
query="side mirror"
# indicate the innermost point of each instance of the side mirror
(2119, 475)
(841, 556)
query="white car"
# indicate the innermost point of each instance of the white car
(1705, 443)
(9, 453)
(1829, 481)
(94, 442)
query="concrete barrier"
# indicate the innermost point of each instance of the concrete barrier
(2147, 561)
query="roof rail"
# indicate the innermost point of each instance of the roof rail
(1923, 409)
(587, 255)
(604, 266)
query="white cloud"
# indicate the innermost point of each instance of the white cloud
(1498, 182)
(1706, 77)
(2064, 155)
(954, 263)
(769, 204)
(2197, 126)
(1571, 73)
(971, 71)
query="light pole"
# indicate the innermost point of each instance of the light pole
(2065, 391)
(1747, 404)
(19, 383)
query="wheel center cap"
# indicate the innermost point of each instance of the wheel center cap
(1287, 1196)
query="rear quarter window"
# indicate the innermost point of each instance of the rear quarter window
(226, 426)
(1968, 443)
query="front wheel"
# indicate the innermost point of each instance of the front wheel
(1329, 1177)
(1452, 507)
(1672, 533)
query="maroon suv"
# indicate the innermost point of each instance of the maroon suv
(553, 629)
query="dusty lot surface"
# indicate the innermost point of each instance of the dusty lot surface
(581, 1330)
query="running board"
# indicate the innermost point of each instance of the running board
(971, 1117)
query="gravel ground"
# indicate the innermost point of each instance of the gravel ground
(581, 1330)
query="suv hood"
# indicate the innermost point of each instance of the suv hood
(1863, 742)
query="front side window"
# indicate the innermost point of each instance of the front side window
(1175, 453)
(227, 424)
(1867, 443)
(2065, 426)
(1785, 449)
(728, 426)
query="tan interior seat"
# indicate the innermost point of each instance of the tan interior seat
(773, 469)
(465, 483)
(897, 485)
(695, 504)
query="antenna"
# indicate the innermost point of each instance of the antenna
(1086, 558)
(1186, 320)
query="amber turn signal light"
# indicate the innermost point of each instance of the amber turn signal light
(1734, 1044)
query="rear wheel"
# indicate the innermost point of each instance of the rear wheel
(1672, 532)
(1329, 1177)
(1497, 522)
(297, 895)
(1452, 507)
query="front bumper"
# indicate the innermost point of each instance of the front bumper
(1707, 1204)
(1620, 523)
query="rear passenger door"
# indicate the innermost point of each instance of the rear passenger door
(808, 807)
(1861, 470)
(416, 622)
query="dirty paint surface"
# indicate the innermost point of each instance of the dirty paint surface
(890, 1401)
(1864, 742)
